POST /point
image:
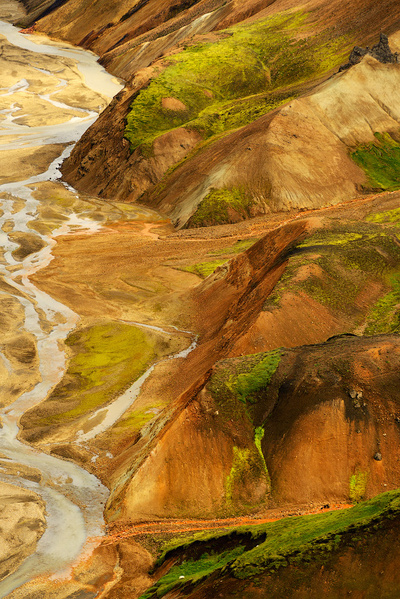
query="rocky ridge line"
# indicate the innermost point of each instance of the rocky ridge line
(380, 52)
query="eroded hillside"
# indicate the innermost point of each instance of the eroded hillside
(241, 290)
(185, 123)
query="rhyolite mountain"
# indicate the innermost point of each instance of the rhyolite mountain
(280, 173)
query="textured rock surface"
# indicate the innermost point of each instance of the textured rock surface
(380, 52)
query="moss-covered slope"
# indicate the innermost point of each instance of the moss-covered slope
(221, 85)
(278, 558)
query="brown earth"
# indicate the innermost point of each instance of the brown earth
(315, 425)
(227, 310)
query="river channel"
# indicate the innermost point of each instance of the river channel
(49, 95)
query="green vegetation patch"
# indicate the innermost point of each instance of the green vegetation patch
(330, 238)
(226, 84)
(358, 486)
(333, 290)
(241, 457)
(221, 206)
(385, 315)
(243, 379)
(389, 216)
(275, 545)
(204, 269)
(339, 264)
(136, 419)
(248, 465)
(258, 437)
(240, 246)
(107, 358)
(381, 162)
(249, 384)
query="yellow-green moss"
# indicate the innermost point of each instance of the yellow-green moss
(358, 486)
(240, 246)
(204, 269)
(247, 551)
(385, 314)
(221, 206)
(343, 261)
(239, 465)
(106, 359)
(380, 161)
(242, 380)
(390, 216)
(228, 83)
(330, 238)
(249, 384)
(258, 437)
(137, 419)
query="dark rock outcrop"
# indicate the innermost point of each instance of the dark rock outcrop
(380, 51)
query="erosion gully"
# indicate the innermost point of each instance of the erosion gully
(74, 498)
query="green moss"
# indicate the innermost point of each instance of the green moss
(249, 384)
(385, 315)
(381, 162)
(137, 419)
(239, 381)
(390, 216)
(240, 246)
(107, 358)
(358, 486)
(228, 83)
(278, 544)
(218, 207)
(330, 238)
(224, 116)
(194, 570)
(204, 269)
(332, 290)
(337, 266)
(239, 465)
(258, 437)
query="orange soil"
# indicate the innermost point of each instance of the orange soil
(182, 526)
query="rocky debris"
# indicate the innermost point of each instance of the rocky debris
(356, 396)
(378, 457)
(381, 52)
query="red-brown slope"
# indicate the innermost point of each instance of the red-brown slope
(101, 27)
(187, 433)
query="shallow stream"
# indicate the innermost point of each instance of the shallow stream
(74, 498)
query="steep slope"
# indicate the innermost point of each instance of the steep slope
(337, 554)
(286, 290)
(297, 158)
(180, 113)
(290, 399)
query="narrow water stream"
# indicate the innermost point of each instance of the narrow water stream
(74, 498)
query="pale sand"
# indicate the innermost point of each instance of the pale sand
(11, 11)
(22, 523)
